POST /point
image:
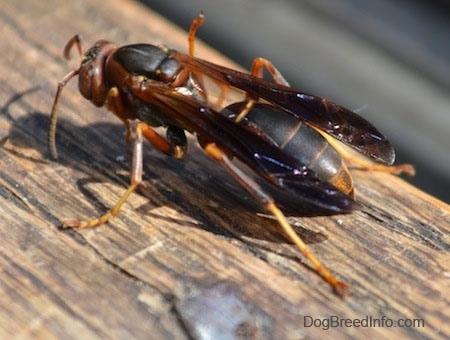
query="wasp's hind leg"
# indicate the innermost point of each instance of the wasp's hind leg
(269, 204)
(359, 162)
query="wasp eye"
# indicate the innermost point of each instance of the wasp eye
(91, 82)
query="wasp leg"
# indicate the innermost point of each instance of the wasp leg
(246, 109)
(365, 163)
(175, 145)
(258, 68)
(196, 23)
(114, 103)
(258, 71)
(135, 179)
(267, 201)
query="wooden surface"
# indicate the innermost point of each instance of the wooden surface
(188, 257)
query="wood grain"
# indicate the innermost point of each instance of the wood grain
(188, 257)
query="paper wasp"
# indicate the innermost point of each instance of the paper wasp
(280, 133)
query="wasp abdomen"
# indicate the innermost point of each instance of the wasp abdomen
(300, 141)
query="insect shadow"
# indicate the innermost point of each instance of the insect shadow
(202, 186)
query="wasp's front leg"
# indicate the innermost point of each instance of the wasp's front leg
(135, 180)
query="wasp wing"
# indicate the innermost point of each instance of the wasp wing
(341, 123)
(261, 156)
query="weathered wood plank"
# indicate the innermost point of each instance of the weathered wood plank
(188, 249)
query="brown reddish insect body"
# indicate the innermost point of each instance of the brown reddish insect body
(285, 136)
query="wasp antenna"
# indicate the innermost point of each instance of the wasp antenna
(54, 115)
(76, 40)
